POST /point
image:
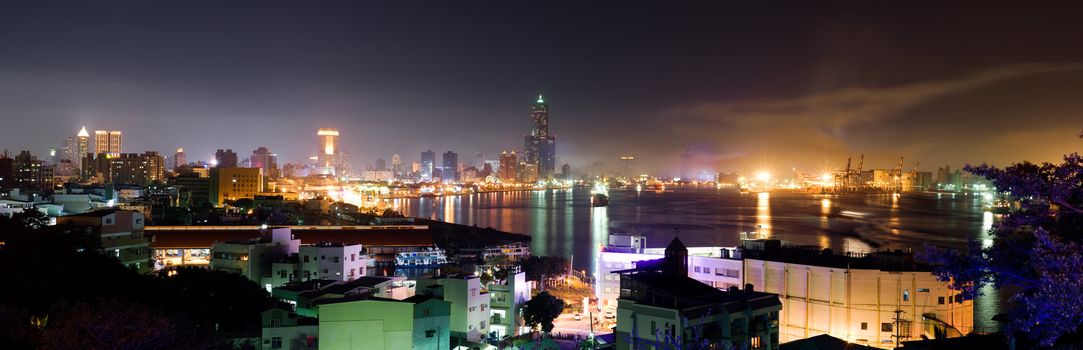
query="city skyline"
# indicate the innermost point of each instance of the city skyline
(814, 103)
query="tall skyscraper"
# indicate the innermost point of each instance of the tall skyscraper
(83, 138)
(539, 147)
(381, 164)
(428, 162)
(225, 158)
(328, 150)
(450, 171)
(106, 141)
(628, 167)
(508, 166)
(398, 170)
(179, 159)
(263, 158)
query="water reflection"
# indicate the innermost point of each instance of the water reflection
(763, 215)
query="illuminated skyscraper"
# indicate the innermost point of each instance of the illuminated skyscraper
(263, 158)
(398, 169)
(225, 158)
(428, 162)
(508, 166)
(450, 170)
(107, 142)
(84, 143)
(327, 155)
(539, 147)
(179, 158)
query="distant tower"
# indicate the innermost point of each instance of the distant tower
(539, 147)
(508, 166)
(325, 158)
(428, 162)
(397, 169)
(225, 158)
(106, 141)
(263, 158)
(179, 158)
(450, 171)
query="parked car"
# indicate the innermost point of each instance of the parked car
(577, 316)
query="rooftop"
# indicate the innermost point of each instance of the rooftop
(205, 236)
(773, 250)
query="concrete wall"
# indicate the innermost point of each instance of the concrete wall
(367, 324)
(821, 300)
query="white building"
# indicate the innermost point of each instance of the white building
(506, 301)
(709, 265)
(332, 261)
(852, 297)
(855, 297)
(254, 258)
(469, 300)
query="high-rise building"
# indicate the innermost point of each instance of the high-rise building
(82, 147)
(539, 146)
(508, 166)
(398, 169)
(234, 183)
(566, 171)
(179, 159)
(106, 141)
(29, 172)
(381, 164)
(225, 158)
(263, 158)
(124, 168)
(328, 150)
(628, 167)
(428, 163)
(450, 170)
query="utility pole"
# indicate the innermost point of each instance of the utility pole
(898, 312)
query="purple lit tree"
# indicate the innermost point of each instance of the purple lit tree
(1037, 248)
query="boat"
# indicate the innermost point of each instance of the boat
(429, 257)
(599, 194)
(599, 200)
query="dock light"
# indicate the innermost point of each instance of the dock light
(826, 177)
(763, 176)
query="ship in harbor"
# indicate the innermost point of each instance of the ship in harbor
(599, 195)
(429, 257)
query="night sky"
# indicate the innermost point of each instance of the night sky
(741, 87)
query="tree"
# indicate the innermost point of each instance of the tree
(1036, 249)
(542, 309)
(111, 324)
(537, 268)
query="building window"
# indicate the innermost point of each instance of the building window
(430, 333)
(473, 292)
(886, 327)
(864, 326)
(755, 342)
(275, 322)
(940, 300)
(353, 257)
(697, 269)
(426, 312)
(306, 258)
(276, 343)
(906, 295)
(334, 259)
